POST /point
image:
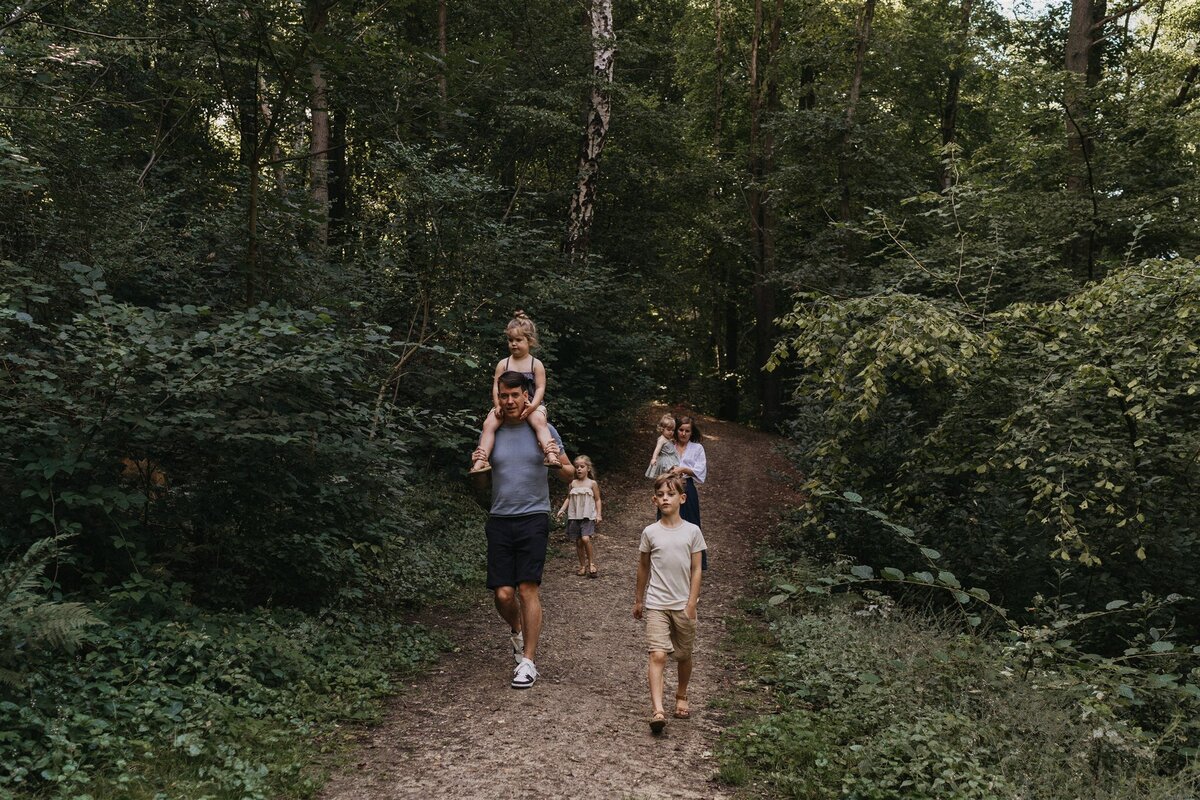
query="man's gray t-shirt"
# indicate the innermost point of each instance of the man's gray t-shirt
(520, 483)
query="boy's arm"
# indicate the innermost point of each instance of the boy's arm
(694, 591)
(643, 578)
(599, 503)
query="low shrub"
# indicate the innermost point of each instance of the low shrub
(872, 702)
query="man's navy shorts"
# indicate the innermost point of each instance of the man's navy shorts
(516, 549)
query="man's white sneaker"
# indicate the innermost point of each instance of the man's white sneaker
(518, 646)
(524, 675)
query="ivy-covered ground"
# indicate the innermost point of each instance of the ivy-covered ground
(166, 700)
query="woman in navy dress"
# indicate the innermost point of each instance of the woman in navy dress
(693, 467)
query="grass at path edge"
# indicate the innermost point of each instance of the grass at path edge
(841, 697)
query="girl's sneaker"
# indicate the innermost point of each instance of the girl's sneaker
(524, 675)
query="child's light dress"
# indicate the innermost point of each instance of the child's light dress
(666, 459)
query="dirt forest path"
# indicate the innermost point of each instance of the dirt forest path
(581, 731)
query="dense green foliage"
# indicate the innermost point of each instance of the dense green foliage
(1037, 446)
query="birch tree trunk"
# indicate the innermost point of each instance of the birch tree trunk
(860, 58)
(583, 199)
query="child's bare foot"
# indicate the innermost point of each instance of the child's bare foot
(551, 459)
(658, 722)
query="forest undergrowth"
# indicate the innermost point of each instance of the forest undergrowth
(166, 699)
(855, 695)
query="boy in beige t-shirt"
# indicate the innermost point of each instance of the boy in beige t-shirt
(668, 586)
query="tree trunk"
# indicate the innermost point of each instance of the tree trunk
(950, 108)
(764, 96)
(339, 171)
(1189, 80)
(317, 13)
(443, 80)
(583, 200)
(860, 58)
(808, 82)
(1082, 61)
(251, 276)
(723, 267)
(248, 126)
(277, 165)
(719, 83)
(318, 164)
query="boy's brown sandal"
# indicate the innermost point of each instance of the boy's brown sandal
(658, 722)
(682, 713)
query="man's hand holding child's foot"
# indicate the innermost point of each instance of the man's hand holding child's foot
(551, 459)
(479, 461)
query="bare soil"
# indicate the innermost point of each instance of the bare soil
(581, 731)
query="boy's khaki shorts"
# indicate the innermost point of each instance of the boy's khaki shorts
(670, 631)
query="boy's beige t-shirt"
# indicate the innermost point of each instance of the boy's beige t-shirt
(670, 552)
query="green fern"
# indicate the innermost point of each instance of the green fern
(29, 622)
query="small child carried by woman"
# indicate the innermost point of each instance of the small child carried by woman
(664, 458)
(522, 339)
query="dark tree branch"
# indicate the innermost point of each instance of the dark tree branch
(1189, 80)
(112, 37)
(21, 17)
(1100, 23)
